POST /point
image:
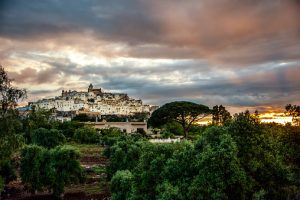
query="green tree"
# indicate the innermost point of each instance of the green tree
(10, 126)
(183, 112)
(121, 185)
(294, 111)
(179, 170)
(123, 155)
(65, 167)
(31, 170)
(220, 176)
(50, 169)
(47, 138)
(166, 191)
(38, 118)
(260, 156)
(148, 172)
(87, 135)
(68, 128)
(220, 115)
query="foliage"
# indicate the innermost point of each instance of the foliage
(172, 128)
(9, 95)
(66, 168)
(220, 175)
(294, 111)
(10, 137)
(38, 118)
(241, 160)
(47, 138)
(1, 185)
(50, 169)
(121, 184)
(183, 112)
(7, 171)
(123, 155)
(220, 115)
(31, 169)
(259, 153)
(84, 118)
(86, 134)
(110, 136)
(166, 191)
(68, 128)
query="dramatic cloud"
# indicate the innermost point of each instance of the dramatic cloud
(243, 54)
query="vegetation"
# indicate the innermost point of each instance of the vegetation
(240, 159)
(183, 112)
(220, 115)
(86, 134)
(50, 169)
(10, 126)
(47, 138)
(294, 111)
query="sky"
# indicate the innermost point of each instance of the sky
(241, 54)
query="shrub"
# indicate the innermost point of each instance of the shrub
(7, 171)
(65, 167)
(31, 170)
(121, 184)
(48, 138)
(51, 169)
(86, 135)
(68, 128)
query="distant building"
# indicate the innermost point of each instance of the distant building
(94, 101)
(125, 127)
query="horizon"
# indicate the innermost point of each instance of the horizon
(240, 54)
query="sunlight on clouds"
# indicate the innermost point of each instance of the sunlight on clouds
(279, 118)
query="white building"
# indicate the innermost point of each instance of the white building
(95, 100)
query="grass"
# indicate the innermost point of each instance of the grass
(89, 189)
(88, 149)
(99, 169)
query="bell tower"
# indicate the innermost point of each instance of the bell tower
(90, 88)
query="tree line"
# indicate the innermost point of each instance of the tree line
(242, 159)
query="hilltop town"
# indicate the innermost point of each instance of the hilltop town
(94, 101)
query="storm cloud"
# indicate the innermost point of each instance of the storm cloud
(242, 54)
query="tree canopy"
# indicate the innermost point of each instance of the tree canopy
(9, 95)
(294, 111)
(220, 115)
(10, 126)
(184, 112)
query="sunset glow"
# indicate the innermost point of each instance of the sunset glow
(247, 57)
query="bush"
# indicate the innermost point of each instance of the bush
(31, 168)
(86, 135)
(121, 184)
(68, 128)
(47, 138)
(1, 186)
(66, 168)
(50, 169)
(7, 171)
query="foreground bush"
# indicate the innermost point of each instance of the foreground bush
(43, 169)
(121, 184)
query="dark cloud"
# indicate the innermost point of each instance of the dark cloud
(232, 52)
